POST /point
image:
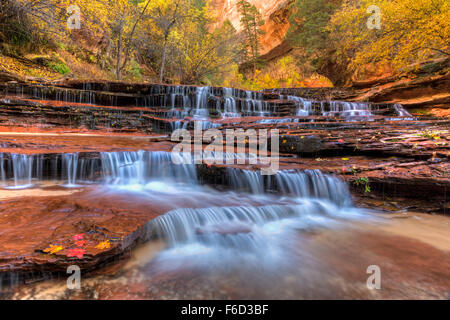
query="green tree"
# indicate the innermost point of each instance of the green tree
(251, 22)
(309, 35)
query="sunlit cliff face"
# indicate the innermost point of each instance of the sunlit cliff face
(274, 12)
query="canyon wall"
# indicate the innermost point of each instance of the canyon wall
(275, 14)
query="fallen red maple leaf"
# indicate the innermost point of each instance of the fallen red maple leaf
(78, 237)
(78, 252)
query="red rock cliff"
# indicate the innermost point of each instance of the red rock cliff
(274, 12)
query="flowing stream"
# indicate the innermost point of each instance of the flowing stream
(293, 235)
(230, 233)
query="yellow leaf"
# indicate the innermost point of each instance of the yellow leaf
(103, 245)
(53, 249)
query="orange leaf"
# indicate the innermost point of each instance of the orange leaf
(104, 245)
(53, 249)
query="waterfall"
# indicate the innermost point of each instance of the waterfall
(306, 184)
(179, 91)
(131, 168)
(336, 108)
(230, 108)
(304, 106)
(19, 170)
(254, 105)
(261, 228)
(313, 184)
(349, 109)
(142, 167)
(22, 169)
(70, 166)
(401, 112)
(190, 225)
(203, 94)
(229, 102)
(246, 180)
(244, 228)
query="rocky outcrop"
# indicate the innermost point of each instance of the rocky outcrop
(274, 13)
(427, 87)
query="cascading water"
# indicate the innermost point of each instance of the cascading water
(138, 168)
(246, 180)
(213, 225)
(349, 109)
(179, 91)
(302, 184)
(257, 231)
(201, 109)
(19, 170)
(230, 108)
(70, 166)
(304, 106)
(342, 109)
(313, 184)
(23, 168)
(401, 111)
(257, 228)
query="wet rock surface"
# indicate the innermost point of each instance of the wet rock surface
(325, 272)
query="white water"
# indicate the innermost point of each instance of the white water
(401, 112)
(254, 221)
(138, 168)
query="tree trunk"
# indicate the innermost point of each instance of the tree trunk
(119, 54)
(163, 62)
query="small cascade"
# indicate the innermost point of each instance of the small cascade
(306, 184)
(20, 170)
(230, 107)
(304, 106)
(244, 229)
(253, 105)
(201, 109)
(349, 109)
(179, 92)
(313, 184)
(401, 112)
(82, 96)
(70, 166)
(22, 165)
(41, 92)
(213, 224)
(203, 103)
(138, 168)
(261, 227)
(246, 180)
(142, 167)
